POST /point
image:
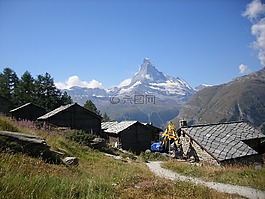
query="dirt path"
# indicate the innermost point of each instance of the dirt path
(226, 188)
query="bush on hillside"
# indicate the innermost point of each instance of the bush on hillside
(80, 137)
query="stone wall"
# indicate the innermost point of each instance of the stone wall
(193, 151)
(114, 140)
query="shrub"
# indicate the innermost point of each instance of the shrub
(79, 136)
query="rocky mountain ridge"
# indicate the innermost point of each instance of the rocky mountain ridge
(243, 98)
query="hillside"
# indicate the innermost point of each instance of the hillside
(96, 176)
(241, 99)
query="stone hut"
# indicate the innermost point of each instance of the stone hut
(222, 143)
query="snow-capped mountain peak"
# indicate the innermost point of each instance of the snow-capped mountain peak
(148, 73)
(149, 80)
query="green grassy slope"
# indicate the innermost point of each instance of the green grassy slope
(22, 176)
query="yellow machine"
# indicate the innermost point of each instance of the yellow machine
(170, 143)
(170, 139)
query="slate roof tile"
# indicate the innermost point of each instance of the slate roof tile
(224, 141)
(54, 112)
(106, 125)
(62, 108)
(118, 127)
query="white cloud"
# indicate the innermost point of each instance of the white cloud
(243, 69)
(254, 9)
(125, 82)
(75, 81)
(255, 12)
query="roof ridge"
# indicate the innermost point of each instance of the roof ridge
(24, 105)
(214, 124)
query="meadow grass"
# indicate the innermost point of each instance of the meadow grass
(237, 174)
(96, 176)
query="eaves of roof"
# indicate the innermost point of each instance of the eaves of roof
(24, 105)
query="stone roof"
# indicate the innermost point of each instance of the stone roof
(116, 128)
(24, 105)
(54, 112)
(62, 108)
(224, 141)
(106, 125)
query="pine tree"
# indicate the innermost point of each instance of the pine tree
(106, 118)
(8, 82)
(92, 107)
(41, 91)
(25, 90)
(65, 99)
(47, 95)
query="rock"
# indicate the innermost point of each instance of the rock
(116, 157)
(258, 167)
(70, 161)
(147, 151)
(146, 184)
(98, 143)
(31, 145)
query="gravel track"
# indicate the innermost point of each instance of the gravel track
(226, 188)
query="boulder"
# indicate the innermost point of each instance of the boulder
(70, 161)
(32, 145)
(98, 143)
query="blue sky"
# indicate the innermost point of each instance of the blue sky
(103, 42)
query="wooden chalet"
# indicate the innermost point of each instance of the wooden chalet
(130, 135)
(28, 111)
(74, 116)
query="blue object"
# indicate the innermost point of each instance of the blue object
(156, 146)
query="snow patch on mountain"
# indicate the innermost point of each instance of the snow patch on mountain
(125, 82)
(127, 90)
(202, 86)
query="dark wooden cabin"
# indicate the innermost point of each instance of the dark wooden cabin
(4, 105)
(130, 135)
(74, 116)
(28, 111)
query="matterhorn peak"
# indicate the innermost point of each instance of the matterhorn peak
(147, 67)
(148, 73)
(147, 61)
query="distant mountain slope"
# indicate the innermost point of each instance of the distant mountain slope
(149, 96)
(241, 99)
